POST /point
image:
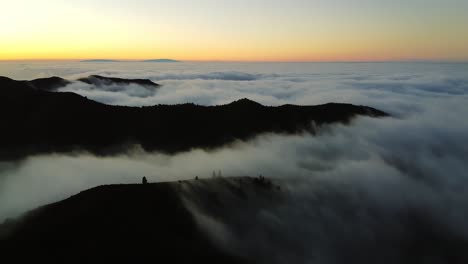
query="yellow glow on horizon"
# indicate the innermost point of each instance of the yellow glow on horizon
(266, 31)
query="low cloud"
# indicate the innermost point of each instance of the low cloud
(344, 188)
(392, 90)
(226, 76)
(365, 190)
(369, 191)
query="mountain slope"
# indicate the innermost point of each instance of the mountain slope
(138, 223)
(38, 121)
(98, 80)
(181, 220)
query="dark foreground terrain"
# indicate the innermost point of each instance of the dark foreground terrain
(135, 223)
(36, 119)
(179, 223)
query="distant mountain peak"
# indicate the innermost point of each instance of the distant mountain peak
(245, 102)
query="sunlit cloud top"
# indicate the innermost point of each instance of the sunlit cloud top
(254, 30)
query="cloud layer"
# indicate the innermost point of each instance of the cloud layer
(392, 87)
(348, 188)
(362, 191)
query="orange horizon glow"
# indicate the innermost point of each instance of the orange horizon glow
(253, 31)
(338, 60)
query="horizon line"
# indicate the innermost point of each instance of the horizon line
(249, 61)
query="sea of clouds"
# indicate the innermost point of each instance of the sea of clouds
(415, 161)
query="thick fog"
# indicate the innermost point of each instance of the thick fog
(346, 187)
(364, 193)
(395, 87)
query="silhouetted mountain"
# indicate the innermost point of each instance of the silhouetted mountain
(101, 80)
(49, 84)
(45, 84)
(38, 121)
(161, 60)
(54, 83)
(138, 223)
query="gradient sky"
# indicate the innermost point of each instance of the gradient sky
(241, 30)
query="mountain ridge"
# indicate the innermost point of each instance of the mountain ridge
(43, 121)
(131, 222)
(99, 80)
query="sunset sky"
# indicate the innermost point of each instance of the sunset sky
(241, 30)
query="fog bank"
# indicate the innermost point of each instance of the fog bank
(364, 190)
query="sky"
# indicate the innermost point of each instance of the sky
(254, 30)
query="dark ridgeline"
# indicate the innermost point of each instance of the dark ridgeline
(35, 120)
(48, 84)
(115, 223)
(9, 86)
(101, 80)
